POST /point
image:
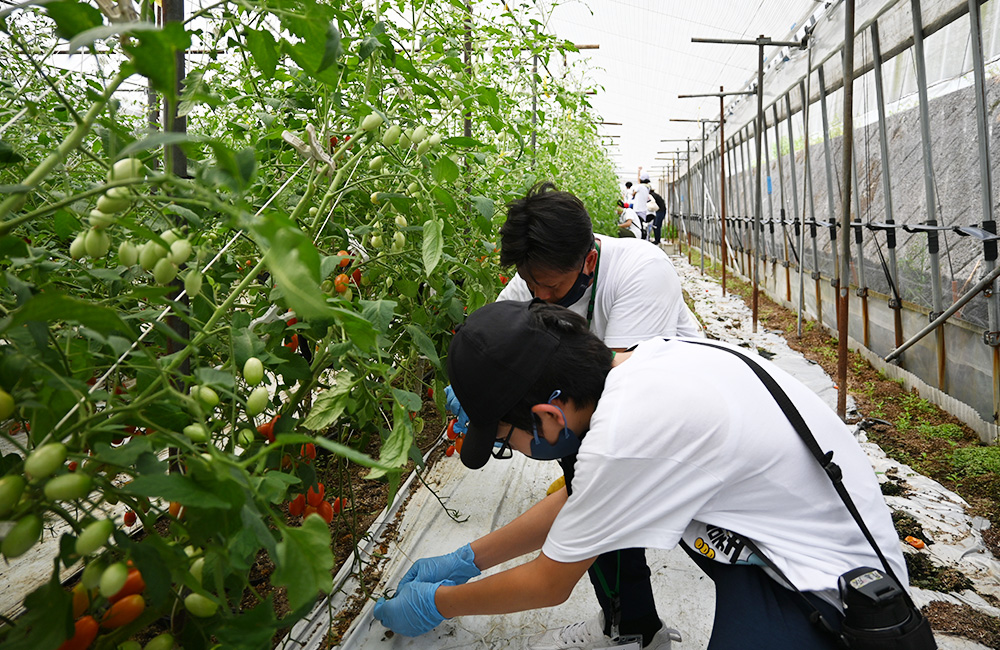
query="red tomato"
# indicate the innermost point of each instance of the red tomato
(430, 392)
(340, 282)
(356, 277)
(314, 498)
(134, 584)
(123, 612)
(85, 631)
(81, 599)
(72, 465)
(308, 451)
(297, 505)
(267, 429)
(129, 518)
(337, 505)
(293, 343)
(450, 451)
(451, 430)
(503, 279)
(346, 261)
(325, 510)
(458, 445)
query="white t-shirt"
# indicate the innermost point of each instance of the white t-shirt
(638, 294)
(629, 213)
(641, 199)
(716, 448)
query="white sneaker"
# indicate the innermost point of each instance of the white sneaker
(589, 635)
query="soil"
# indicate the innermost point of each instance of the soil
(917, 433)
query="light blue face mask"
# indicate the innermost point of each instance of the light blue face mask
(567, 444)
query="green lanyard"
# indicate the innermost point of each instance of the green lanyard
(593, 286)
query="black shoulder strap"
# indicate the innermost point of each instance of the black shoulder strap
(825, 459)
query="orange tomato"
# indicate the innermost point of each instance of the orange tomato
(134, 584)
(337, 505)
(346, 261)
(340, 282)
(308, 451)
(314, 498)
(458, 445)
(450, 451)
(81, 599)
(176, 510)
(297, 505)
(325, 510)
(123, 612)
(85, 631)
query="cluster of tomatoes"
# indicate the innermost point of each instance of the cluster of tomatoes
(314, 501)
(455, 437)
(113, 595)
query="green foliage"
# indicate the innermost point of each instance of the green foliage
(947, 431)
(975, 461)
(110, 358)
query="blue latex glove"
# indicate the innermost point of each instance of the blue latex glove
(412, 611)
(457, 567)
(455, 408)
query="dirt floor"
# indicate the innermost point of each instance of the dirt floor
(918, 433)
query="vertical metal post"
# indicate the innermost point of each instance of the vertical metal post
(722, 185)
(795, 197)
(807, 187)
(831, 207)
(758, 208)
(845, 228)
(781, 203)
(895, 303)
(992, 337)
(690, 203)
(859, 263)
(747, 196)
(704, 159)
(932, 236)
(770, 203)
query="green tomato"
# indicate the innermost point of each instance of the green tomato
(93, 538)
(45, 460)
(98, 219)
(128, 253)
(169, 236)
(398, 239)
(391, 135)
(164, 272)
(22, 536)
(404, 140)
(257, 401)
(6, 405)
(68, 487)
(91, 576)
(374, 197)
(413, 188)
(376, 241)
(78, 249)
(126, 169)
(180, 251)
(419, 134)
(192, 283)
(375, 163)
(11, 489)
(401, 221)
(253, 371)
(129, 645)
(164, 641)
(149, 254)
(207, 396)
(98, 242)
(200, 606)
(111, 203)
(113, 579)
(371, 122)
(435, 139)
(423, 147)
(197, 432)
(244, 438)
(313, 211)
(418, 424)
(197, 568)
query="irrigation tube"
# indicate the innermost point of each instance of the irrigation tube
(979, 286)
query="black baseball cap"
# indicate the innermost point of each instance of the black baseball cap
(494, 358)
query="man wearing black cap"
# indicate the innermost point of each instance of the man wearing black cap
(728, 477)
(628, 291)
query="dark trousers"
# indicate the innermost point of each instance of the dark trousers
(628, 570)
(658, 224)
(752, 611)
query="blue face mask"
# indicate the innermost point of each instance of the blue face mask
(567, 444)
(576, 291)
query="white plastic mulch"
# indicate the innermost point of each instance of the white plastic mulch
(491, 497)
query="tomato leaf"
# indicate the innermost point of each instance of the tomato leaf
(263, 51)
(331, 49)
(461, 142)
(410, 401)
(433, 245)
(358, 329)
(379, 313)
(150, 49)
(445, 170)
(52, 307)
(72, 17)
(303, 560)
(424, 344)
(8, 155)
(484, 206)
(396, 447)
(175, 487)
(196, 91)
(330, 404)
(157, 140)
(48, 620)
(294, 263)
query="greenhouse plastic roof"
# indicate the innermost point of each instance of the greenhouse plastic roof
(417, 525)
(646, 59)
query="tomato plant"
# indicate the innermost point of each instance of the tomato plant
(148, 277)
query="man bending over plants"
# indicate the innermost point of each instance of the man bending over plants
(628, 291)
(731, 481)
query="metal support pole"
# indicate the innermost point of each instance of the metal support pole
(781, 211)
(925, 137)
(722, 185)
(759, 202)
(859, 263)
(747, 196)
(895, 303)
(703, 190)
(795, 197)
(770, 202)
(828, 159)
(807, 187)
(991, 337)
(687, 176)
(845, 229)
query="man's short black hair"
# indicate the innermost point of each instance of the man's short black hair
(578, 368)
(546, 229)
(628, 184)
